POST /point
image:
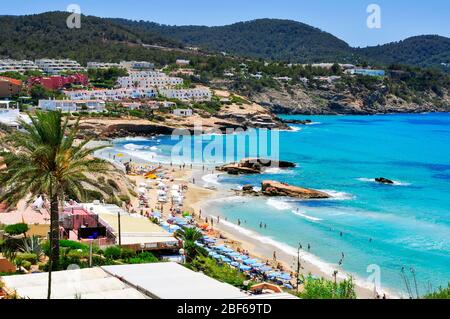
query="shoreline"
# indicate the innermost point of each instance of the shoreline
(199, 196)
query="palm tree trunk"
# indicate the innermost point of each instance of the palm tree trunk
(54, 240)
(54, 221)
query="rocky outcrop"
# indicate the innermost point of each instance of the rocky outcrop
(383, 180)
(297, 122)
(273, 188)
(252, 166)
(332, 100)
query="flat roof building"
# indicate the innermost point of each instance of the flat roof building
(55, 66)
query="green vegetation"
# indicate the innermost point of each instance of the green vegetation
(105, 78)
(189, 236)
(47, 161)
(221, 272)
(327, 289)
(441, 293)
(17, 229)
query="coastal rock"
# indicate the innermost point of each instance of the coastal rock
(273, 188)
(253, 166)
(247, 188)
(297, 122)
(383, 180)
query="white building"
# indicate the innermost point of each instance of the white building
(52, 66)
(112, 94)
(137, 65)
(182, 112)
(20, 66)
(69, 106)
(102, 65)
(197, 94)
(181, 62)
(148, 79)
(11, 116)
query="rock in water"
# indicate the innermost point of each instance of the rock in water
(253, 166)
(383, 180)
(273, 188)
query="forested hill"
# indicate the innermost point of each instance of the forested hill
(293, 41)
(426, 50)
(47, 35)
(264, 38)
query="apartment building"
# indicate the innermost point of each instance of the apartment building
(9, 86)
(103, 65)
(21, 66)
(57, 82)
(53, 66)
(366, 72)
(112, 94)
(70, 106)
(198, 94)
(148, 79)
(137, 65)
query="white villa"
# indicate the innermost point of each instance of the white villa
(69, 106)
(182, 112)
(137, 65)
(197, 94)
(102, 65)
(11, 116)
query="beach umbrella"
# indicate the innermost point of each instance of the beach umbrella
(216, 256)
(250, 261)
(265, 269)
(241, 257)
(288, 286)
(225, 259)
(211, 253)
(244, 267)
(227, 250)
(257, 265)
(234, 255)
(234, 264)
(174, 228)
(284, 276)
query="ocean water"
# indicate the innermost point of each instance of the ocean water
(405, 225)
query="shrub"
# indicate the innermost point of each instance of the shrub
(441, 293)
(73, 245)
(16, 229)
(145, 257)
(29, 257)
(127, 253)
(26, 265)
(113, 252)
(327, 289)
(223, 273)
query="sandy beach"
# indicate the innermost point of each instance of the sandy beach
(197, 198)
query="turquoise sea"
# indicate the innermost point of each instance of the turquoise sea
(406, 225)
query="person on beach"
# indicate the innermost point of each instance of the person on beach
(239, 222)
(212, 222)
(218, 219)
(309, 247)
(260, 225)
(265, 225)
(274, 255)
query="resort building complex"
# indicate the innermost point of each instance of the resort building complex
(148, 79)
(69, 106)
(20, 66)
(197, 94)
(52, 66)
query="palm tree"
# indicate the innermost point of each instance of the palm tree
(189, 236)
(47, 160)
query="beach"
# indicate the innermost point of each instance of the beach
(200, 195)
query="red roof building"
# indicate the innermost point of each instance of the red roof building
(58, 82)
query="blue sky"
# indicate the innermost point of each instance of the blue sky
(345, 19)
